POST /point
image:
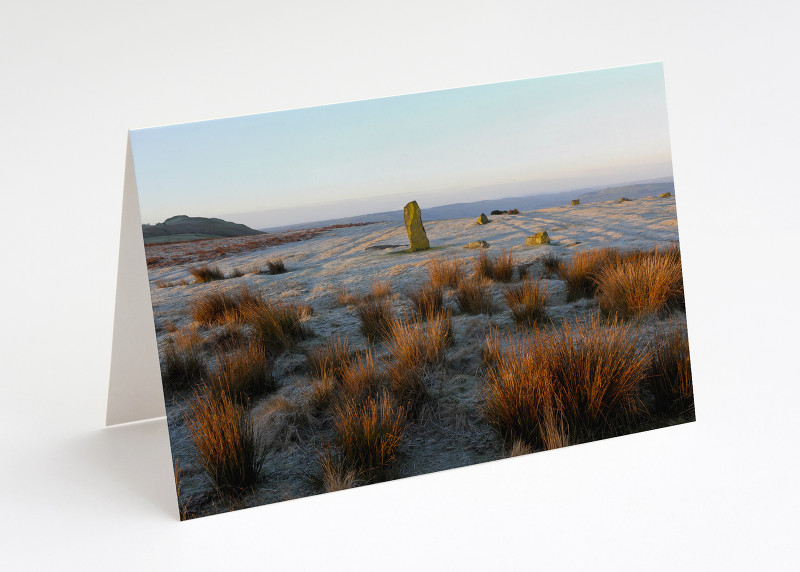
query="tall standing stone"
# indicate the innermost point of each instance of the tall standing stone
(416, 232)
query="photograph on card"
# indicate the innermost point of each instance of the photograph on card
(366, 291)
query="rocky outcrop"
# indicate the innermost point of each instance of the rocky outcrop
(417, 238)
(477, 244)
(538, 238)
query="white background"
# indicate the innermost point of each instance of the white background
(717, 494)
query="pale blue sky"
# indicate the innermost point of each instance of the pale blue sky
(558, 133)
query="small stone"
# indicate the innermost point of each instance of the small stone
(482, 219)
(538, 238)
(624, 200)
(664, 195)
(417, 237)
(575, 202)
(477, 244)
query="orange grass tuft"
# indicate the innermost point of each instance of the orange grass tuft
(220, 306)
(413, 346)
(183, 364)
(671, 375)
(444, 272)
(587, 373)
(641, 283)
(375, 316)
(360, 376)
(426, 300)
(527, 302)
(336, 476)
(579, 271)
(206, 273)
(227, 448)
(499, 268)
(329, 359)
(379, 289)
(276, 266)
(276, 325)
(369, 432)
(474, 296)
(244, 372)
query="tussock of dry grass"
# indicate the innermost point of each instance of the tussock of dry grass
(641, 283)
(281, 422)
(345, 297)
(206, 273)
(519, 448)
(220, 306)
(483, 266)
(444, 272)
(360, 376)
(227, 448)
(413, 346)
(499, 267)
(503, 266)
(474, 296)
(580, 270)
(375, 316)
(379, 289)
(276, 266)
(671, 375)
(329, 359)
(276, 325)
(369, 432)
(550, 262)
(242, 373)
(426, 300)
(552, 430)
(527, 303)
(236, 273)
(336, 476)
(492, 348)
(587, 375)
(320, 395)
(229, 337)
(183, 364)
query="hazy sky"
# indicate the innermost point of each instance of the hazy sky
(558, 133)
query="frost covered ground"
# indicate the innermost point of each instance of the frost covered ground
(451, 432)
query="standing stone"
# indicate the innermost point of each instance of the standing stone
(538, 238)
(664, 195)
(482, 219)
(575, 202)
(416, 232)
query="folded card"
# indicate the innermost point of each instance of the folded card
(325, 298)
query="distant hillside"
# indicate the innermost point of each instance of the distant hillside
(182, 228)
(523, 203)
(627, 191)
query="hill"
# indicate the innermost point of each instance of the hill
(523, 203)
(182, 228)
